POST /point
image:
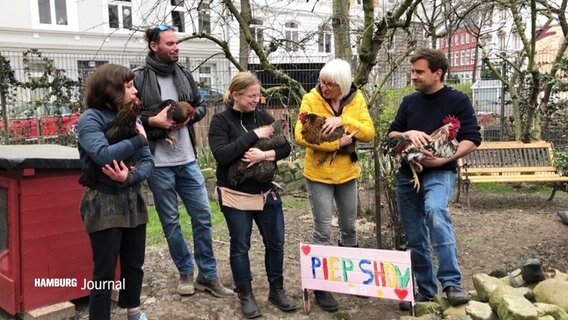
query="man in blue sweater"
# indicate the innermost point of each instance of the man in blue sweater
(424, 214)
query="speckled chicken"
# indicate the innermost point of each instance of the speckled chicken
(179, 112)
(264, 171)
(443, 144)
(312, 125)
(122, 127)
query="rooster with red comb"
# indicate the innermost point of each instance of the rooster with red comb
(442, 144)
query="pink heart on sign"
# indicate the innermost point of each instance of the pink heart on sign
(401, 293)
(306, 249)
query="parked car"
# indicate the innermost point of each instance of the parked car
(211, 96)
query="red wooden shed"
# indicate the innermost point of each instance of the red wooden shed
(43, 244)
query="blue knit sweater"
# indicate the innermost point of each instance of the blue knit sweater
(93, 143)
(424, 112)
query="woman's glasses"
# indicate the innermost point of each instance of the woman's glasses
(327, 84)
(251, 96)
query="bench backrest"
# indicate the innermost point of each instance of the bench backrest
(510, 156)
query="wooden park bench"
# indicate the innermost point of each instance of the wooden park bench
(509, 162)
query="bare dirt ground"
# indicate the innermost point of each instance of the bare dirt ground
(500, 231)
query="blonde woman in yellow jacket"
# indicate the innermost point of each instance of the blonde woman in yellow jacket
(338, 100)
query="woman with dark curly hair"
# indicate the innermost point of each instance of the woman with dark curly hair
(112, 208)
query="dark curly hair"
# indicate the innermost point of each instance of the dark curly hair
(153, 34)
(105, 88)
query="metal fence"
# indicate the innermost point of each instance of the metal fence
(38, 114)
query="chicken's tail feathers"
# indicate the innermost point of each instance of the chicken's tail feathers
(166, 103)
(354, 157)
(388, 146)
(88, 176)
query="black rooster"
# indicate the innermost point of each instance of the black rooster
(122, 127)
(264, 171)
(179, 112)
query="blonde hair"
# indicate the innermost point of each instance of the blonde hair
(239, 83)
(338, 71)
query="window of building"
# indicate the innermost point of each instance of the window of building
(204, 17)
(120, 14)
(205, 76)
(86, 68)
(178, 17)
(257, 31)
(324, 40)
(36, 68)
(291, 35)
(52, 12)
(178, 20)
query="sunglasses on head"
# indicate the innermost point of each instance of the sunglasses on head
(159, 28)
(165, 27)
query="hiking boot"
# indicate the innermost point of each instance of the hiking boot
(456, 296)
(214, 287)
(326, 301)
(405, 305)
(185, 285)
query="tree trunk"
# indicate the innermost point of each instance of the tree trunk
(244, 47)
(340, 24)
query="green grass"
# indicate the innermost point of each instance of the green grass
(504, 188)
(491, 187)
(155, 235)
(295, 203)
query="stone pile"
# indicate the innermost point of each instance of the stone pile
(507, 298)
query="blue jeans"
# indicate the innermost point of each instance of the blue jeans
(187, 181)
(270, 223)
(322, 196)
(424, 214)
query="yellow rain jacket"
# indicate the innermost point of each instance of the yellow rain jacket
(355, 117)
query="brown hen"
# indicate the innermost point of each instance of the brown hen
(312, 125)
(178, 112)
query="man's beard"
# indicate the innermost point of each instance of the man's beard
(167, 58)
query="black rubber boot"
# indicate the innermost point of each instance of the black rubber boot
(326, 301)
(248, 303)
(278, 297)
(341, 245)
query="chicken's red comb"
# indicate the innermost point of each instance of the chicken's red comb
(451, 119)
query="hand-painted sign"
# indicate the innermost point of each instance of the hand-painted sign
(364, 272)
